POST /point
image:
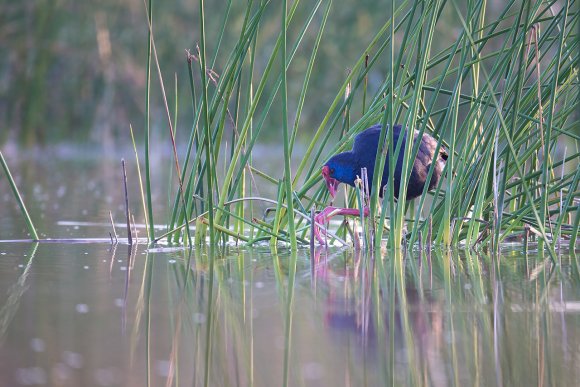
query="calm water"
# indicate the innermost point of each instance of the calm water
(95, 314)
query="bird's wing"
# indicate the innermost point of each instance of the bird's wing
(366, 138)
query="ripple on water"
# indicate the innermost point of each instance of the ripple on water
(312, 371)
(37, 344)
(163, 368)
(199, 318)
(82, 308)
(106, 376)
(31, 376)
(61, 372)
(73, 359)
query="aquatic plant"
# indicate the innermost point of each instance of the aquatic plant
(498, 91)
(18, 197)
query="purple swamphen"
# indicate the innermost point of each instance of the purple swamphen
(345, 167)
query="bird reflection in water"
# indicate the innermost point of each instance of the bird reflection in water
(361, 307)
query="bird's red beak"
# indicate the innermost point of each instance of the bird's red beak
(331, 183)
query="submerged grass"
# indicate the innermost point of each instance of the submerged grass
(500, 95)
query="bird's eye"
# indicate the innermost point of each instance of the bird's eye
(332, 171)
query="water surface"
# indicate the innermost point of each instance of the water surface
(94, 314)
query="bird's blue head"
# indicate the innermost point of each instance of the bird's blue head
(339, 169)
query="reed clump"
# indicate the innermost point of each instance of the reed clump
(500, 94)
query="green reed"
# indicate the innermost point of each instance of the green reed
(149, 209)
(499, 95)
(18, 197)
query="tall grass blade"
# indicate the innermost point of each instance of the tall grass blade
(206, 126)
(23, 210)
(286, 137)
(150, 229)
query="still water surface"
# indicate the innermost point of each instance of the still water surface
(102, 315)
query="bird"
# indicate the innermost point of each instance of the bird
(346, 167)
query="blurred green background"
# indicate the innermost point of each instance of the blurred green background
(75, 71)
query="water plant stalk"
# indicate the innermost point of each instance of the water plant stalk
(150, 229)
(18, 197)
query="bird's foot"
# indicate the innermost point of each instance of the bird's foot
(320, 221)
(322, 218)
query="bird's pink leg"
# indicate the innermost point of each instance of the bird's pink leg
(325, 215)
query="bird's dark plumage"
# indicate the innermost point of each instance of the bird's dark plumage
(344, 167)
